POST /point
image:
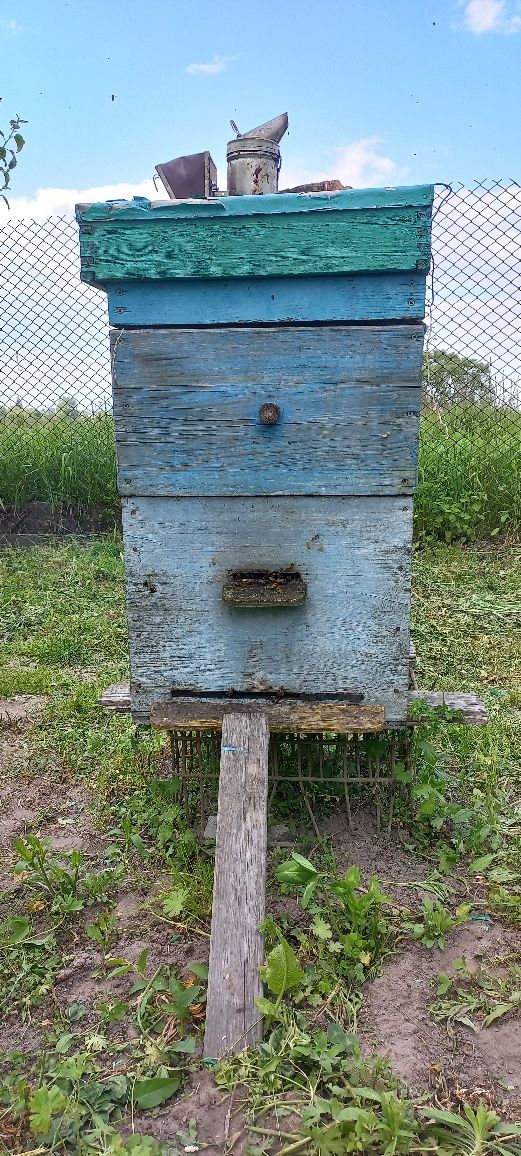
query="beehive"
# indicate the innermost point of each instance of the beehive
(266, 364)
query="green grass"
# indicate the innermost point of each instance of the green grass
(63, 634)
(68, 462)
(469, 472)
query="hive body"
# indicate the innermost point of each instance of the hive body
(310, 305)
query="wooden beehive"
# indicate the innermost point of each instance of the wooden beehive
(266, 356)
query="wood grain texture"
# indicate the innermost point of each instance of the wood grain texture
(187, 401)
(236, 946)
(351, 635)
(140, 208)
(361, 297)
(455, 707)
(116, 698)
(452, 707)
(286, 715)
(259, 245)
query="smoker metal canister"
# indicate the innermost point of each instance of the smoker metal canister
(253, 166)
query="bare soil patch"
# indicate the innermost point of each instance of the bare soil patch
(40, 518)
(395, 1022)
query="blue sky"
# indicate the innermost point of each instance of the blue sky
(377, 91)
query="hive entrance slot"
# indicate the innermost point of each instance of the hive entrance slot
(252, 589)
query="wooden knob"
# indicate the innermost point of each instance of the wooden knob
(269, 413)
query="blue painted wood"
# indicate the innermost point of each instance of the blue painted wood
(187, 404)
(140, 208)
(359, 297)
(352, 633)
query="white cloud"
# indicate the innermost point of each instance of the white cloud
(11, 27)
(360, 164)
(60, 202)
(218, 64)
(492, 16)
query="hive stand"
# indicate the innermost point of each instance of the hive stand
(236, 944)
(266, 370)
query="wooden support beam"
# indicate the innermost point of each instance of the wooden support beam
(285, 715)
(116, 698)
(465, 709)
(237, 947)
(452, 707)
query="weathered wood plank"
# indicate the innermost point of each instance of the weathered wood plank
(351, 635)
(116, 698)
(257, 245)
(362, 297)
(236, 946)
(452, 707)
(140, 208)
(455, 707)
(286, 715)
(187, 405)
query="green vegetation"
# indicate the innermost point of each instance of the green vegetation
(469, 467)
(108, 1054)
(68, 461)
(480, 996)
(11, 144)
(469, 473)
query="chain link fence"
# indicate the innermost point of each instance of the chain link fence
(56, 433)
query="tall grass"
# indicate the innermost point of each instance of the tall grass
(68, 462)
(469, 473)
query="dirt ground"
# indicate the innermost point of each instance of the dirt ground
(38, 519)
(394, 1021)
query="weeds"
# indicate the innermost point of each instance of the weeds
(469, 473)
(347, 934)
(68, 462)
(479, 997)
(434, 922)
(63, 628)
(60, 881)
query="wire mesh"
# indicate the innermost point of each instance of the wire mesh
(56, 437)
(353, 769)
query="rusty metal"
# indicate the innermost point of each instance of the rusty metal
(254, 159)
(269, 413)
(362, 768)
(190, 176)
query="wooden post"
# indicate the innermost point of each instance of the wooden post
(237, 947)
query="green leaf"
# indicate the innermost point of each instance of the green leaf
(174, 902)
(296, 870)
(18, 928)
(340, 1038)
(63, 1044)
(501, 1009)
(186, 1046)
(309, 892)
(140, 846)
(150, 1093)
(482, 863)
(200, 970)
(282, 970)
(19, 141)
(266, 1007)
(441, 1116)
(320, 927)
(142, 960)
(43, 1105)
(94, 932)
